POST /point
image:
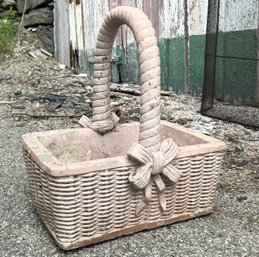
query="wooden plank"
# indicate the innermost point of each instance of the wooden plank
(171, 22)
(80, 37)
(61, 32)
(153, 10)
(257, 75)
(93, 13)
(72, 36)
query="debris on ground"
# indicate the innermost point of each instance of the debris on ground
(38, 94)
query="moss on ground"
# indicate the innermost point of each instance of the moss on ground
(7, 33)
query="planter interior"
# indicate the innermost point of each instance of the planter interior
(74, 151)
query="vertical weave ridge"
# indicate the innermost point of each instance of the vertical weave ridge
(195, 183)
(182, 187)
(122, 198)
(89, 187)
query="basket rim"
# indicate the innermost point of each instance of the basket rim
(54, 167)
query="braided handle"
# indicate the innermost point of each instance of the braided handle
(149, 65)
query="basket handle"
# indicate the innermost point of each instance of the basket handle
(149, 64)
(153, 156)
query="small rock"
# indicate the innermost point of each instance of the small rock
(52, 106)
(69, 84)
(163, 117)
(30, 4)
(172, 118)
(243, 163)
(239, 148)
(182, 121)
(89, 88)
(61, 66)
(69, 112)
(38, 17)
(32, 29)
(36, 98)
(45, 35)
(37, 53)
(55, 98)
(18, 93)
(8, 3)
(67, 104)
(19, 107)
(242, 198)
(6, 77)
(81, 99)
(203, 127)
(134, 110)
(115, 104)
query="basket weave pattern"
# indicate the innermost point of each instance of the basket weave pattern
(78, 208)
(124, 187)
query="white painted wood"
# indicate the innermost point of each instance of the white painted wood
(61, 32)
(197, 17)
(257, 74)
(172, 19)
(238, 15)
(72, 25)
(80, 37)
(79, 25)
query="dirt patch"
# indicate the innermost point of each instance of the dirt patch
(30, 85)
(244, 115)
(39, 94)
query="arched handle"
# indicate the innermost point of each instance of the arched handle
(149, 67)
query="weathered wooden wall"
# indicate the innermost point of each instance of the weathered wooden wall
(180, 26)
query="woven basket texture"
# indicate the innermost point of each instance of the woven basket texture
(102, 204)
(79, 208)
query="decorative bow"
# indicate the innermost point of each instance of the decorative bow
(154, 165)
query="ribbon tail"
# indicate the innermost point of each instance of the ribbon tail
(147, 198)
(159, 183)
(140, 206)
(162, 201)
(161, 191)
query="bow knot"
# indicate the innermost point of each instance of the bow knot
(157, 163)
(154, 165)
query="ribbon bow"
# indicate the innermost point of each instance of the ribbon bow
(154, 165)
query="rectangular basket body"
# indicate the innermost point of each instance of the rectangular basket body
(81, 188)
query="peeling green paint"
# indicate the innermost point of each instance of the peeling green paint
(235, 79)
(236, 75)
(197, 50)
(172, 64)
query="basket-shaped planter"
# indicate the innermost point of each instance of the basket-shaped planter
(106, 180)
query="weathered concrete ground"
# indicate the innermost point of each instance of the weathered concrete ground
(26, 83)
